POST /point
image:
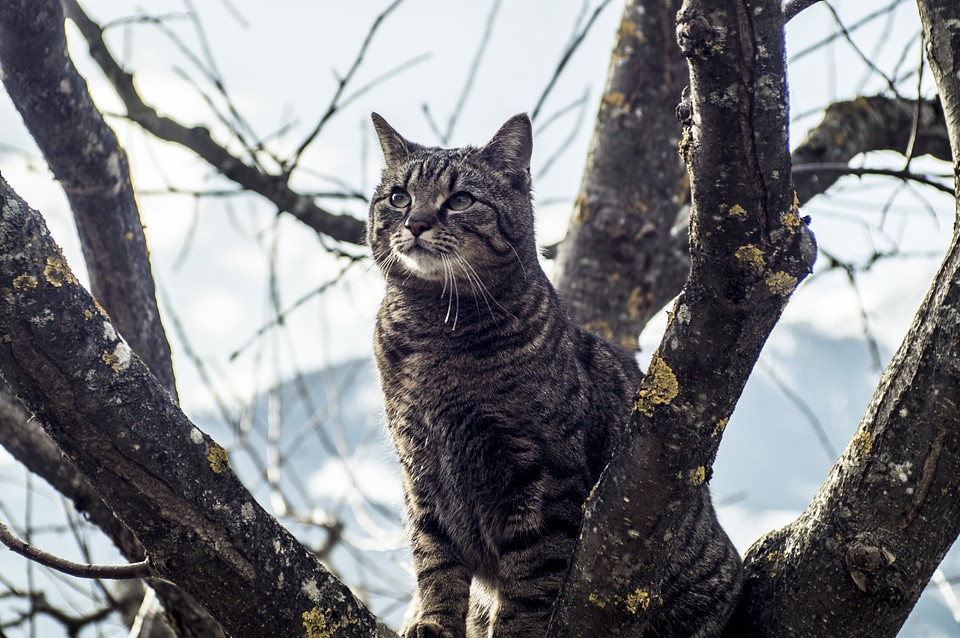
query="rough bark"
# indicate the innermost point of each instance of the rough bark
(28, 443)
(85, 157)
(169, 483)
(877, 123)
(612, 268)
(858, 558)
(749, 249)
(625, 255)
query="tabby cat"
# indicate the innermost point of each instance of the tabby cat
(502, 410)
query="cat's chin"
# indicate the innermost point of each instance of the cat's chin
(422, 265)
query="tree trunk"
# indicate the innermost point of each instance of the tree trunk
(749, 250)
(84, 155)
(612, 269)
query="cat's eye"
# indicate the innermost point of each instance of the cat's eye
(399, 198)
(460, 201)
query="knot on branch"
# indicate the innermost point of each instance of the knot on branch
(684, 110)
(872, 567)
(696, 37)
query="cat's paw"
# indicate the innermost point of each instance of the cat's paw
(426, 629)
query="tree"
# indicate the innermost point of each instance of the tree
(161, 488)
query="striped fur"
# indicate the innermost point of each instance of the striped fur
(503, 412)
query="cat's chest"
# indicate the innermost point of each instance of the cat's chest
(426, 366)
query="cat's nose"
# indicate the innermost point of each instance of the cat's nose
(417, 226)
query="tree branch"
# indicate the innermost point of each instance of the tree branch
(749, 250)
(199, 140)
(857, 559)
(80, 570)
(877, 123)
(168, 482)
(87, 160)
(830, 170)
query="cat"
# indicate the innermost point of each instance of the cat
(503, 412)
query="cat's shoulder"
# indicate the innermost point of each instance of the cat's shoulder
(601, 355)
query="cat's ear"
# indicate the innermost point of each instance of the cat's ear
(510, 149)
(394, 146)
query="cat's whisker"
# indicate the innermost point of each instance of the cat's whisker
(479, 290)
(523, 268)
(456, 292)
(383, 264)
(473, 276)
(448, 276)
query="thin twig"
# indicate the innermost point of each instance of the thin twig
(80, 570)
(801, 404)
(856, 49)
(472, 73)
(281, 315)
(847, 31)
(580, 102)
(915, 128)
(342, 86)
(843, 169)
(851, 273)
(567, 55)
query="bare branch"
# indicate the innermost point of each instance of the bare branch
(918, 113)
(836, 170)
(804, 407)
(198, 139)
(80, 570)
(471, 73)
(341, 87)
(867, 19)
(565, 58)
(863, 125)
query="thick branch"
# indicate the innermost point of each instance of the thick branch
(877, 123)
(858, 558)
(856, 561)
(166, 480)
(85, 157)
(749, 249)
(28, 443)
(198, 139)
(612, 268)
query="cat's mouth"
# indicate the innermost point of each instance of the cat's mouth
(421, 260)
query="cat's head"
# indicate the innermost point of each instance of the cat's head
(443, 215)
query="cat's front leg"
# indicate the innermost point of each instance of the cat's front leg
(532, 575)
(443, 583)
